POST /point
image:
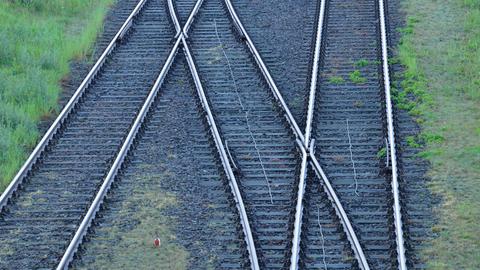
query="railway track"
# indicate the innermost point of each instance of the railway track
(51, 192)
(354, 122)
(229, 247)
(392, 223)
(268, 194)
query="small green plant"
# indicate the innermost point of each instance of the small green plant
(393, 60)
(431, 138)
(336, 80)
(412, 142)
(356, 77)
(362, 63)
(382, 153)
(358, 103)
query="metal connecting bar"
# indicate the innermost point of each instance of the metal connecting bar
(397, 215)
(352, 237)
(119, 159)
(27, 166)
(303, 145)
(216, 134)
(273, 86)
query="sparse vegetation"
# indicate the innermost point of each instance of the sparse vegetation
(362, 63)
(440, 50)
(336, 80)
(37, 41)
(382, 153)
(412, 142)
(139, 219)
(358, 103)
(356, 77)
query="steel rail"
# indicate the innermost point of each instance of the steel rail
(302, 145)
(355, 244)
(327, 186)
(397, 214)
(225, 161)
(216, 134)
(119, 160)
(191, 17)
(314, 74)
(124, 150)
(297, 226)
(54, 128)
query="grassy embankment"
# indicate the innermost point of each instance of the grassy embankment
(37, 41)
(440, 49)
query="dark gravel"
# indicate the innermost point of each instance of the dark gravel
(172, 188)
(283, 33)
(257, 135)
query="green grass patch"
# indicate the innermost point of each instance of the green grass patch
(356, 77)
(336, 80)
(440, 50)
(127, 242)
(412, 142)
(37, 41)
(362, 63)
(382, 153)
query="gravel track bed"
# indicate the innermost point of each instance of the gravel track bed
(256, 133)
(284, 36)
(350, 125)
(172, 188)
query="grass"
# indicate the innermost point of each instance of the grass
(362, 63)
(37, 41)
(356, 77)
(127, 242)
(336, 80)
(440, 50)
(412, 142)
(382, 153)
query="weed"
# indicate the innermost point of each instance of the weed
(336, 80)
(362, 63)
(356, 77)
(138, 220)
(382, 153)
(393, 60)
(412, 142)
(430, 138)
(358, 103)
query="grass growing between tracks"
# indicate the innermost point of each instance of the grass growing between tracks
(37, 41)
(127, 241)
(440, 50)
